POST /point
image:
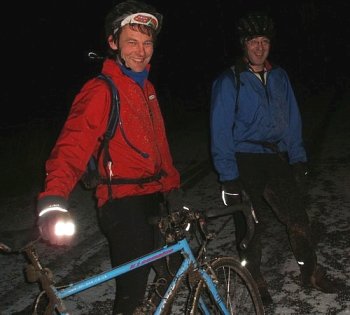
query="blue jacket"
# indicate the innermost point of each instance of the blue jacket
(263, 113)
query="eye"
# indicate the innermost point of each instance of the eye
(148, 43)
(132, 42)
(253, 42)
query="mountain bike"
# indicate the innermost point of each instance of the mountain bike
(219, 285)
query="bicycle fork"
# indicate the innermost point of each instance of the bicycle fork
(36, 273)
(212, 287)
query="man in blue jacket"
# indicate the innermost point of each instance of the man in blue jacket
(257, 146)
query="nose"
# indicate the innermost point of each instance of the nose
(141, 49)
(260, 45)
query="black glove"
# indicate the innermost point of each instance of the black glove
(301, 172)
(174, 200)
(231, 192)
(54, 221)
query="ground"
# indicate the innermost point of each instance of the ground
(329, 200)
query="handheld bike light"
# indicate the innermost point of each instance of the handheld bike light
(64, 228)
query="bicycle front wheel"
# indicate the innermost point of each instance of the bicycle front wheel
(236, 287)
(42, 305)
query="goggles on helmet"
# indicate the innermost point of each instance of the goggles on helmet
(140, 18)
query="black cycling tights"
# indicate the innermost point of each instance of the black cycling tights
(124, 223)
(268, 180)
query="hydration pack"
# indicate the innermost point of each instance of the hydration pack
(91, 177)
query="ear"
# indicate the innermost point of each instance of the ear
(112, 43)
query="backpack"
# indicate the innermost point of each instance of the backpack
(236, 77)
(91, 177)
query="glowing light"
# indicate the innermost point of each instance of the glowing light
(63, 228)
(244, 262)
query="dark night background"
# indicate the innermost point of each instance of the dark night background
(44, 46)
(45, 49)
(44, 64)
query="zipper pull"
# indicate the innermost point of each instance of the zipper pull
(109, 167)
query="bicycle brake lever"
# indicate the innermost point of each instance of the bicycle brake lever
(4, 248)
(250, 218)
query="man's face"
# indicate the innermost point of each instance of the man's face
(257, 50)
(135, 48)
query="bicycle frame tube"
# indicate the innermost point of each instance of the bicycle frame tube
(213, 290)
(181, 272)
(167, 250)
(93, 281)
(189, 260)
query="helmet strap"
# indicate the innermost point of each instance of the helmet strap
(120, 60)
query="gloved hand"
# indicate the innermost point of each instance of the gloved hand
(54, 221)
(174, 200)
(231, 192)
(301, 172)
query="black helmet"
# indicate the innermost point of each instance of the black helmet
(253, 25)
(126, 12)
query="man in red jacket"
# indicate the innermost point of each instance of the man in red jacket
(142, 170)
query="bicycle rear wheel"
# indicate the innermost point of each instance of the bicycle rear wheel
(235, 285)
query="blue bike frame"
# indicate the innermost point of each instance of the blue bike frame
(189, 260)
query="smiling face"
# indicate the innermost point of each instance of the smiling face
(135, 48)
(257, 50)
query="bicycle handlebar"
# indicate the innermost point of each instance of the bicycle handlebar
(4, 248)
(14, 242)
(248, 212)
(175, 224)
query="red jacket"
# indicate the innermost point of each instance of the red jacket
(142, 124)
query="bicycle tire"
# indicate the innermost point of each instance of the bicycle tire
(42, 305)
(236, 286)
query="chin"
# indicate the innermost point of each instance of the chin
(137, 68)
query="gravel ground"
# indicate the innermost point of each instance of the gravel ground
(329, 197)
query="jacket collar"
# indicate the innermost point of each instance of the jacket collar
(242, 64)
(111, 67)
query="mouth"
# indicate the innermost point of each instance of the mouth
(138, 60)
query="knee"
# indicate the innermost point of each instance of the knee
(298, 229)
(300, 233)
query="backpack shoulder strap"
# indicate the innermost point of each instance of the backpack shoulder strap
(236, 76)
(237, 80)
(114, 110)
(91, 177)
(111, 128)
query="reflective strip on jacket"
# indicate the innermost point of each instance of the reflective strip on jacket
(142, 124)
(267, 113)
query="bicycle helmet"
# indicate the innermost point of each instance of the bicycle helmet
(254, 25)
(132, 12)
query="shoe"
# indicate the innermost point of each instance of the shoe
(265, 296)
(262, 286)
(264, 292)
(320, 281)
